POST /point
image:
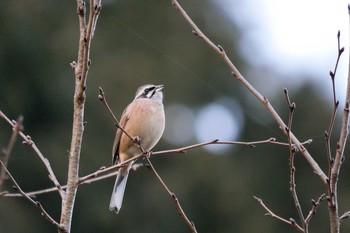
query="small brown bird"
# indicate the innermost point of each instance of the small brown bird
(144, 120)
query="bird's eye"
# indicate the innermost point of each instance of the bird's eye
(147, 90)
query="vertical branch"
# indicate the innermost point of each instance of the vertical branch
(291, 163)
(331, 200)
(6, 153)
(338, 160)
(335, 107)
(81, 68)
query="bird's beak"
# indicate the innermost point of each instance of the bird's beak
(159, 87)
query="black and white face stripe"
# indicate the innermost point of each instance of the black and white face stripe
(150, 91)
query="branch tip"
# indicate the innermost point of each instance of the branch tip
(258, 199)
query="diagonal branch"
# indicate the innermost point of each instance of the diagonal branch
(291, 221)
(7, 152)
(315, 205)
(173, 196)
(345, 215)
(102, 97)
(28, 141)
(36, 203)
(220, 51)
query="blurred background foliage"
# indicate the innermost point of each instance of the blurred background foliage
(139, 42)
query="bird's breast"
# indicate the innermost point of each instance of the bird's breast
(147, 121)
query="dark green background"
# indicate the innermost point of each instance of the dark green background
(139, 42)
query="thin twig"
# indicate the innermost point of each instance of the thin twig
(339, 158)
(102, 97)
(88, 180)
(315, 205)
(345, 215)
(105, 172)
(7, 152)
(28, 141)
(173, 196)
(36, 203)
(292, 168)
(273, 215)
(328, 133)
(221, 52)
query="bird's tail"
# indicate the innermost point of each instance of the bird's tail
(118, 191)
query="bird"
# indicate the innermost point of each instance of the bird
(144, 121)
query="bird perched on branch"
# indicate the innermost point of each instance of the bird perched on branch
(141, 126)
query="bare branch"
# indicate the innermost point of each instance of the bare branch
(339, 156)
(273, 215)
(315, 205)
(88, 180)
(173, 196)
(81, 68)
(328, 133)
(7, 152)
(36, 203)
(292, 168)
(102, 97)
(345, 215)
(221, 52)
(103, 172)
(28, 141)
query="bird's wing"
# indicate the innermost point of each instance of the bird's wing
(123, 121)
